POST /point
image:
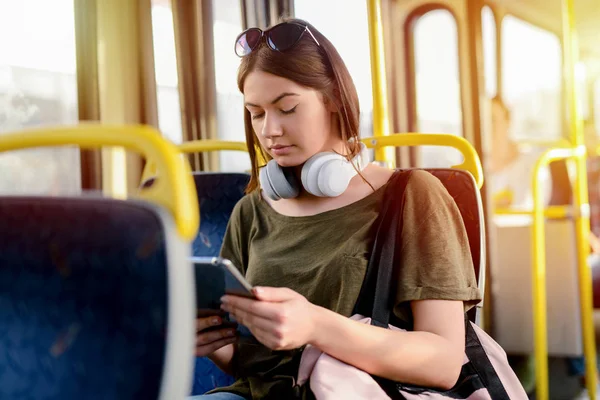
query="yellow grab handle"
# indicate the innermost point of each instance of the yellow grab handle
(175, 191)
(197, 146)
(471, 162)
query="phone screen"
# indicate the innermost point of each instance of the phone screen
(214, 278)
(210, 286)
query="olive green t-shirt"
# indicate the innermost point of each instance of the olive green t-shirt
(324, 257)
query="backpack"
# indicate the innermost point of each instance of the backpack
(485, 373)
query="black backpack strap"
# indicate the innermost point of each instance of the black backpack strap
(375, 298)
(482, 364)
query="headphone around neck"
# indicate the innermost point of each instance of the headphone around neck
(325, 174)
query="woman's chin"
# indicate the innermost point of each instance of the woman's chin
(287, 161)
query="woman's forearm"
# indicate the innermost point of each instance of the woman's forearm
(223, 358)
(419, 358)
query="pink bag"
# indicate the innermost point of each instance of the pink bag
(332, 379)
(485, 374)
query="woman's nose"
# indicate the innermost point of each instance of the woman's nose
(271, 127)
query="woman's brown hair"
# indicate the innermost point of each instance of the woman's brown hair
(317, 66)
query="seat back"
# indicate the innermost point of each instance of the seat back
(84, 299)
(96, 294)
(462, 187)
(218, 193)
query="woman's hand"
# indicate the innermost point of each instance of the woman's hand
(281, 319)
(211, 335)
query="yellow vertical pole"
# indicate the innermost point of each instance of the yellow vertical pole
(126, 83)
(538, 282)
(114, 85)
(381, 124)
(582, 217)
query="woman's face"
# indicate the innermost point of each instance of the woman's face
(292, 122)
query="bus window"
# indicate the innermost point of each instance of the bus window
(437, 84)
(165, 65)
(531, 80)
(581, 80)
(227, 25)
(38, 86)
(349, 33)
(488, 27)
(597, 106)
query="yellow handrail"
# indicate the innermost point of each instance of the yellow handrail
(197, 146)
(580, 191)
(471, 161)
(539, 298)
(562, 143)
(551, 212)
(381, 122)
(540, 213)
(175, 191)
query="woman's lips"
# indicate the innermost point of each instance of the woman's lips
(280, 150)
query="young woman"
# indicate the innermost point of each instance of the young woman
(307, 253)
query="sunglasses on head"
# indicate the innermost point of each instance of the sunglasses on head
(281, 37)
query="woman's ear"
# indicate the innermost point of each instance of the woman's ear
(330, 104)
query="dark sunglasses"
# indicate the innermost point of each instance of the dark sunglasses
(281, 37)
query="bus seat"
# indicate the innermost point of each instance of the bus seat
(462, 187)
(218, 193)
(95, 300)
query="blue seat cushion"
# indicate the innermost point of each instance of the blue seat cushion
(218, 193)
(83, 299)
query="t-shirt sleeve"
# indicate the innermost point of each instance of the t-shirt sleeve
(233, 247)
(436, 261)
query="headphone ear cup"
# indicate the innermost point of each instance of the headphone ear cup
(291, 186)
(334, 177)
(311, 171)
(265, 184)
(281, 181)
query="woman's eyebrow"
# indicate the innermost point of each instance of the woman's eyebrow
(277, 99)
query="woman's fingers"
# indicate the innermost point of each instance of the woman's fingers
(213, 336)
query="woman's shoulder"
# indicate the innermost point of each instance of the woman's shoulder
(246, 206)
(377, 176)
(424, 195)
(425, 186)
(421, 184)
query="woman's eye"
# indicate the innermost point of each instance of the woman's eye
(257, 116)
(290, 111)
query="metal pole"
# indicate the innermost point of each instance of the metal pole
(381, 125)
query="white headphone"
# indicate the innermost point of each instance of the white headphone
(325, 174)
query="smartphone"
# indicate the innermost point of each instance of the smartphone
(216, 277)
